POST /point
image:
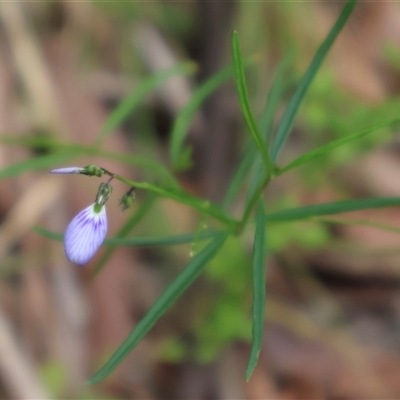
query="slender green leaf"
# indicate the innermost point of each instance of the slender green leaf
(240, 175)
(259, 181)
(259, 295)
(293, 106)
(179, 155)
(126, 107)
(245, 104)
(364, 222)
(162, 240)
(258, 178)
(275, 95)
(336, 207)
(323, 150)
(37, 163)
(139, 241)
(161, 305)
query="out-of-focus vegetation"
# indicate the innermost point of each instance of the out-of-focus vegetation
(147, 91)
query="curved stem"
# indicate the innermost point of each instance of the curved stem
(199, 204)
(253, 201)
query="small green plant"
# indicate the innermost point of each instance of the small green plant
(255, 172)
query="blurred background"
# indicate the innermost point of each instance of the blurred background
(333, 310)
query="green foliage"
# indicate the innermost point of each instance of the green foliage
(224, 258)
(232, 257)
(223, 314)
(259, 296)
(227, 320)
(316, 210)
(162, 304)
(138, 241)
(274, 97)
(294, 104)
(245, 104)
(328, 148)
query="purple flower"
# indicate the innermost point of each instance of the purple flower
(87, 231)
(85, 234)
(90, 170)
(68, 170)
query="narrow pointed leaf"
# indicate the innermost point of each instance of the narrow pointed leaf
(323, 150)
(336, 207)
(259, 295)
(162, 240)
(240, 175)
(364, 222)
(275, 94)
(143, 241)
(278, 88)
(161, 305)
(293, 106)
(245, 104)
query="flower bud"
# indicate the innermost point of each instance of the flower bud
(127, 200)
(90, 170)
(105, 189)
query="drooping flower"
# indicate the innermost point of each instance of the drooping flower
(90, 170)
(87, 230)
(85, 234)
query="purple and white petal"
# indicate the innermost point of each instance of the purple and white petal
(67, 170)
(85, 234)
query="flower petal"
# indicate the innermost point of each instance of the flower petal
(85, 234)
(67, 170)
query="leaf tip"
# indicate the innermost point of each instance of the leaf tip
(249, 373)
(96, 378)
(235, 36)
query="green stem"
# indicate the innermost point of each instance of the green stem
(253, 201)
(199, 204)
